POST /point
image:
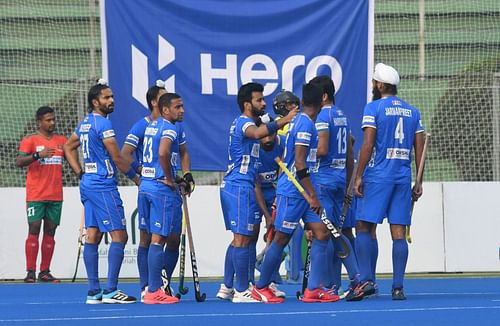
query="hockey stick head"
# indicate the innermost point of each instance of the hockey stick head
(200, 297)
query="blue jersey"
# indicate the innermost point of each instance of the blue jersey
(268, 168)
(100, 170)
(332, 166)
(302, 132)
(243, 154)
(135, 137)
(396, 122)
(154, 133)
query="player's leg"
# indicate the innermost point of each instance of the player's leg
(50, 222)
(399, 217)
(171, 249)
(226, 290)
(35, 213)
(252, 247)
(143, 209)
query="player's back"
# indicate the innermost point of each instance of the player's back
(243, 154)
(331, 167)
(396, 123)
(135, 137)
(302, 132)
(100, 170)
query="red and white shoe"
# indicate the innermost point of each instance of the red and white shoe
(159, 297)
(266, 295)
(319, 295)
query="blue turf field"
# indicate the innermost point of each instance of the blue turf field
(436, 301)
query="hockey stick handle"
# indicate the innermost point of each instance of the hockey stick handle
(420, 171)
(350, 186)
(80, 243)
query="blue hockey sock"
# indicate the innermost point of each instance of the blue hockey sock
(374, 258)
(350, 262)
(115, 259)
(171, 257)
(142, 265)
(332, 265)
(156, 260)
(319, 266)
(229, 267)
(363, 250)
(252, 258)
(91, 260)
(352, 241)
(295, 245)
(240, 262)
(272, 260)
(399, 259)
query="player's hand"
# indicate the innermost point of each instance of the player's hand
(188, 178)
(47, 152)
(417, 191)
(314, 204)
(309, 235)
(358, 187)
(169, 183)
(139, 170)
(137, 180)
(291, 114)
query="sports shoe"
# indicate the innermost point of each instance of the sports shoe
(225, 293)
(375, 294)
(355, 293)
(277, 292)
(319, 295)
(143, 293)
(244, 297)
(30, 277)
(159, 297)
(94, 297)
(398, 294)
(46, 277)
(266, 295)
(117, 296)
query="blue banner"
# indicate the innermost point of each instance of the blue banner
(205, 50)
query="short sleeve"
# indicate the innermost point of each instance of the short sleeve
(26, 146)
(170, 134)
(304, 134)
(182, 134)
(105, 130)
(420, 126)
(369, 117)
(322, 122)
(135, 134)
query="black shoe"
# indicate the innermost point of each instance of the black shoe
(46, 277)
(368, 288)
(355, 293)
(398, 294)
(30, 277)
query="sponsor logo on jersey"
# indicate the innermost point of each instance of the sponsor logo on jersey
(338, 163)
(54, 160)
(268, 177)
(91, 167)
(368, 119)
(255, 150)
(398, 154)
(321, 125)
(108, 133)
(85, 127)
(289, 225)
(304, 136)
(148, 172)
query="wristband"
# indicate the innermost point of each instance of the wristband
(131, 173)
(304, 173)
(135, 165)
(36, 156)
(272, 127)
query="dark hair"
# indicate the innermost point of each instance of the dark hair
(390, 89)
(43, 110)
(94, 93)
(311, 95)
(152, 94)
(245, 93)
(166, 99)
(326, 84)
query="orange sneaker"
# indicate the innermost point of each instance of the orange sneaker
(266, 295)
(319, 295)
(159, 297)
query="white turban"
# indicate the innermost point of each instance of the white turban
(386, 74)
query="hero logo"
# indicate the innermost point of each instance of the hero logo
(254, 67)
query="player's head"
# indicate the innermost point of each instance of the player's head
(251, 99)
(171, 107)
(46, 119)
(154, 93)
(311, 97)
(326, 84)
(100, 98)
(385, 81)
(284, 102)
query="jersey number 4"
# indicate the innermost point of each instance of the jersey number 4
(399, 133)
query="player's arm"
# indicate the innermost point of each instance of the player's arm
(259, 197)
(25, 158)
(186, 167)
(128, 155)
(303, 176)
(418, 145)
(114, 152)
(164, 155)
(264, 130)
(369, 135)
(323, 142)
(71, 154)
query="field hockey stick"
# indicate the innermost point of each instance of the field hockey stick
(182, 289)
(307, 267)
(347, 204)
(200, 297)
(81, 235)
(418, 180)
(334, 232)
(268, 238)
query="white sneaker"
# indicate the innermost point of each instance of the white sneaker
(244, 297)
(225, 293)
(143, 293)
(277, 292)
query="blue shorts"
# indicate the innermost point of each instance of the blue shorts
(160, 210)
(290, 210)
(269, 197)
(143, 212)
(238, 207)
(332, 199)
(103, 209)
(381, 200)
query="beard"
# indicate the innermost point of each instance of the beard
(376, 95)
(256, 112)
(267, 146)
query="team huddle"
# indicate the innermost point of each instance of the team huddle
(292, 171)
